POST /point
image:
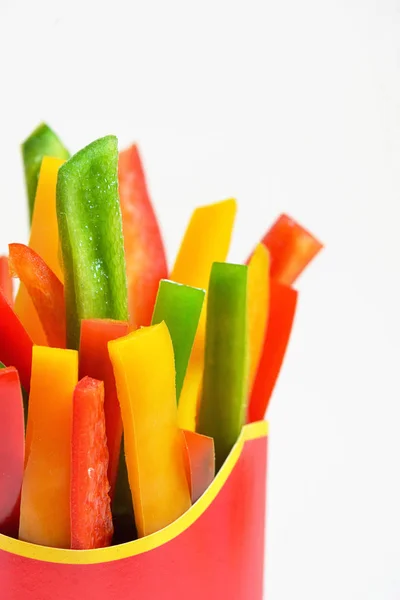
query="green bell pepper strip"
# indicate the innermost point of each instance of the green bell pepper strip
(41, 142)
(222, 409)
(90, 227)
(180, 307)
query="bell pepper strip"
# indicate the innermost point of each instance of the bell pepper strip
(291, 248)
(90, 228)
(281, 314)
(143, 363)
(15, 343)
(206, 241)
(180, 307)
(45, 499)
(222, 410)
(6, 284)
(94, 361)
(44, 288)
(12, 447)
(199, 462)
(41, 142)
(43, 240)
(91, 519)
(144, 249)
(44, 229)
(258, 306)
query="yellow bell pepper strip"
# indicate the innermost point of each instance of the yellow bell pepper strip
(180, 307)
(44, 229)
(45, 289)
(12, 446)
(43, 240)
(144, 249)
(258, 306)
(6, 284)
(45, 499)
(225, 382)
(199, 462)
(41, 142)
(91, 519)
(94, 361)
(90, 227)
(280, 323)
(15, 343)
(144, 370)
(291, 248)
(206, 241)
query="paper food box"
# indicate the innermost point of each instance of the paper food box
(133, 445)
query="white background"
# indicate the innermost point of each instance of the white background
(289, 106)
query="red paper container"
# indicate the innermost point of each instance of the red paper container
(213, 552)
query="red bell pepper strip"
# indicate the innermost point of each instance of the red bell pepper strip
(145, 258)
(94, 361)
(6, 284)
(283, 300)
(15, 343)
(91, 519)
(12, 447)
(199, 462)
(291, 248)
(45, 290)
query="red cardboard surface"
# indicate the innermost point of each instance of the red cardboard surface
(214, 552)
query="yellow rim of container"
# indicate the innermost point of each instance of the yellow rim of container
(76, 557)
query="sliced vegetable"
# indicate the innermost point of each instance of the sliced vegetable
(41, 142)
(291, 248)
(45, 500)
(281, 315)
(94, 361)
(144, 371)
(12, 447)
(91, 520)
(45, 290)
(225, 382)
(200, 462)
(44, 229)
(258, 306)
(144, 250)
(43, 240)
(15, 343)
(206, 240)
(180, 307)
(89, 220)
(6, 284)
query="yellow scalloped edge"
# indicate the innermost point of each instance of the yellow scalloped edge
(76, 557)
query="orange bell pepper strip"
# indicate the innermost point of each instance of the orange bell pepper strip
(281, 314)
(145, 257)
(45, 499)
(44, 288)
(15, 343)
(258, 306)
(144, 369)
(6, 284)
(12, 447)
(291, 248)
(199, 462)
(44, 241)
(206, 240)
(91, 519)
(94, 361)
